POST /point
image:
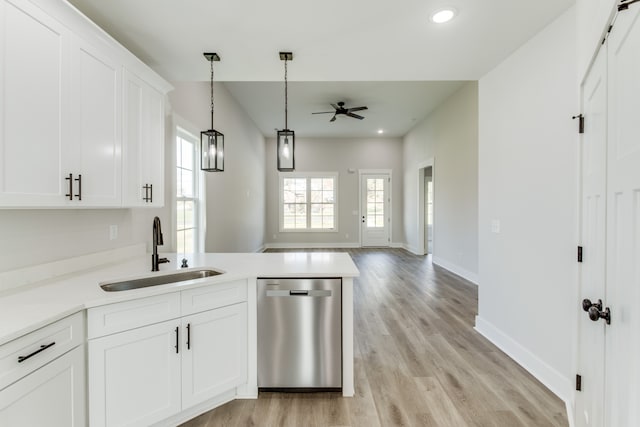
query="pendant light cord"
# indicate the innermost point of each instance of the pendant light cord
(211, 61)
(286, 96)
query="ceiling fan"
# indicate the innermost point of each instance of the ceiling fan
(339, 109)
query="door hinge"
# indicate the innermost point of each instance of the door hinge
(580, 122)
(579, 253)
(578, 382)
(625, 5)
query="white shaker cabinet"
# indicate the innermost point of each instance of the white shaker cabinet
(42, 376)
(35, 126)
(96, 151)
(63, 104)
(143, 143)
(214, 358)
(134, 376)
(147, 364)
(52, 396)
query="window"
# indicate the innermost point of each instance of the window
(308, 202)
(187, 203)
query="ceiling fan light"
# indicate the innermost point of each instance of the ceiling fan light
(443, 15)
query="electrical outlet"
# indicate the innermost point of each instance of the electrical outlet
(113, 232)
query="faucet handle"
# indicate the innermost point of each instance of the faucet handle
(184, 263)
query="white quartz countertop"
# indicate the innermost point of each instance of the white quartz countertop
(30, 307)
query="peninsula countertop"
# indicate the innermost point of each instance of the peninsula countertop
(30, 307)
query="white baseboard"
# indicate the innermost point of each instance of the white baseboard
(411, 249)
(260, 249)
(552, 379)
(455, 269)
(310, 245)
(320, 245)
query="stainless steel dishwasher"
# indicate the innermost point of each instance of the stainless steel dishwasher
(300, 334)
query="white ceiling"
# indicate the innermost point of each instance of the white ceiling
(394, 107)
(333, 42)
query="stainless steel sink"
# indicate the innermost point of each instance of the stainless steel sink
(127, 285)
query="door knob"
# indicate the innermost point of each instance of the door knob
(595, 314)
(587, 304)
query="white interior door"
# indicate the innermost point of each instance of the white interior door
(591, 349)
(375, 209)
(622, 369)
(609, 353)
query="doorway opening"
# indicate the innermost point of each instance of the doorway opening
(426, 205)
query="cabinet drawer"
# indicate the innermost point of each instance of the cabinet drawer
(214, 296)
(122, 316)
(39, 347)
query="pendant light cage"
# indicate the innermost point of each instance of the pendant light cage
(211, 141)
(286, 137)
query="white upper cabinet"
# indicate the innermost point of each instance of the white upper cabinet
(143, 148)
(96, 151)
(35, 94)
(67, 113)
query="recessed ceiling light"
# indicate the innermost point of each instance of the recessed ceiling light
(443, 15)
(380, 131)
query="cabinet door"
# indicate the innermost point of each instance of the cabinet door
(143, 143)
(215, 355)
(134, 376)
(53, 395)
(97, 123)
(34, 95)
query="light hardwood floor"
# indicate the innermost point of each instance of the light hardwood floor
(418, 361)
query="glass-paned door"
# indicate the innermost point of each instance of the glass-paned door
(376, 218)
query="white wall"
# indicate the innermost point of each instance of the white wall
(235, 212)
(336, 155)
(528, 155)
(449, 135)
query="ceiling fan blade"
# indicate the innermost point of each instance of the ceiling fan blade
(325, 112)
(355, 116)
(351, 110)
(335, 106)
(333, 119)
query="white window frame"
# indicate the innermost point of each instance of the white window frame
(308, 176)
(198, 192)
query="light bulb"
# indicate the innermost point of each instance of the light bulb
(443, 15)
(285, 148)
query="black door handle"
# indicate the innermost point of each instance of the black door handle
(587, 304)
(177, 339)
(595, 314)
(188, 336)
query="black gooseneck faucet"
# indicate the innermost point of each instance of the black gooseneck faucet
(157, 240)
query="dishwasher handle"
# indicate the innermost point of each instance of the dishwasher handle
(299, 293)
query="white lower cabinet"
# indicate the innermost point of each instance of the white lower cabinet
(147, 374)
(215, 359)
(52, 396)
(134, 376)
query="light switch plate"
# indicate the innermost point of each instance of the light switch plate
(495, 226)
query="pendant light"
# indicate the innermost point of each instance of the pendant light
(212, 141)
(286, 137)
